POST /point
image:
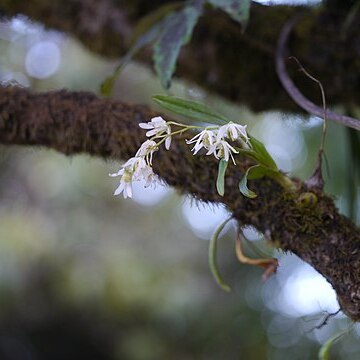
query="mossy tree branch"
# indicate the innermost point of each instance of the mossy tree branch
(80, 122)
(238, 66)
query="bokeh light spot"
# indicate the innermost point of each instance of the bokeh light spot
(43, 59)
(203, 219)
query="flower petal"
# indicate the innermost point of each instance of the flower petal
(146, 125)
(158, 119)
(168, 143)
(194, 139)
(127, 191)
(152, 132)
(234, 132)
(120, 188)
(221, 132)
(119, 173)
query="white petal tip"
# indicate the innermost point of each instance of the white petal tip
(167, 143)
(157, 118)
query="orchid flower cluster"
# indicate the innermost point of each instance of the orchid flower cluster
(214, 139)
(222, 139)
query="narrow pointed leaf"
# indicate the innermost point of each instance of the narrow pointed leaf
(324, 353)
(191, 109)
(243, 184)
(212, 257)
(220, 182)
(262, 154)
(239, 10)
(176, 32)
(153, 18)
(107, 86)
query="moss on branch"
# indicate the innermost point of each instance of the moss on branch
(238, 66)
(304, 222)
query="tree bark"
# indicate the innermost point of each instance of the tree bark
(221, 57)
(79, 122)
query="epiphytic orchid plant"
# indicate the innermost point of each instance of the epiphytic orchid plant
(221, 138)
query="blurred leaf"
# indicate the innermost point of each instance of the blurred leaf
(239, 10)
(350, 17)
(150, 20)
(212, 257)
(262, 154)
(107, 86)
(324, 352)
(220, 182)
(243, 182)
(176, 32)
(145, 32)
(191, 109)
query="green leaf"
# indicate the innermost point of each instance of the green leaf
(176, 32)
(107, 86)
(153, 18)
(256, 172)
(262, 154)
(220, 182)
(212, 257)
(239, 10)
(324, 353)
(191, 109)
(243, 183)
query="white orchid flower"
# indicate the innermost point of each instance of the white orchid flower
(205, 139)
(147, 150)
(222, 150)
(135, 169)
(158, 127)
(233, 132)
(125, 185)
(142, 170)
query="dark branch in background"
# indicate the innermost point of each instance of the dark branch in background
(220, 57)
(305, 222)
(295, 93)
(339, 5)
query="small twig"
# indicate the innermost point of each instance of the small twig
(316, 180)
(294, 92)
(301, 68)
(324, 322)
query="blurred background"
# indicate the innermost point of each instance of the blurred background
(84, 274)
